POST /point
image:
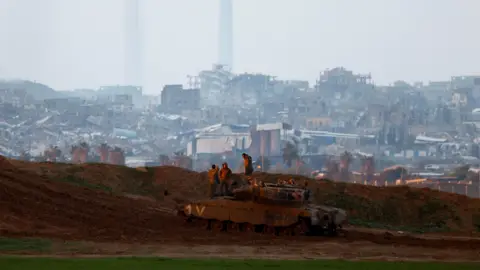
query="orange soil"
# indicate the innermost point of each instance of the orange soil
(36, 201)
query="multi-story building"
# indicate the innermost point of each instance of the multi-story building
(463, 84)
(437, 92)
(111, 94)
(250, 89)
(340, 82)
(213, 83)
(175, 98)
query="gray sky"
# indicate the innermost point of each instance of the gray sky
(79, 43)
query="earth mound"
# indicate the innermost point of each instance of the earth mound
(5, 163)
(34, 206)
(399, 208)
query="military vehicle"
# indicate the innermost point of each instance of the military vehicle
(268, 208)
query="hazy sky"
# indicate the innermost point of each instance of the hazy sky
(79, 43)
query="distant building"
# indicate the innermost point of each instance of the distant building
(112, 94)
(467, 82)
(437, 91)
(213, 83)
(340, 83)
(317, 123)
(463, 97)
(122, 102)
(62, 104)
(249, 88)
(175, 98)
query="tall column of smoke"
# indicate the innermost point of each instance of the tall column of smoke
(225, 35)
(133, 64)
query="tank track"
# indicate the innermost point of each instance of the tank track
(301, 228)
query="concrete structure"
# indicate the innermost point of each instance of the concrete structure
(437, 91)
(251, 89)
(225, 34)
(175, 98)
(267, 139)
(219, 139)
(213, 83)
(342, 83)
(123, 94)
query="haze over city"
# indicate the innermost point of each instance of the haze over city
(70, 44)
(247, 134)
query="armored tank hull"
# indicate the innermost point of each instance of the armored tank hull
(259, 209)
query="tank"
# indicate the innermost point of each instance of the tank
(280, 209)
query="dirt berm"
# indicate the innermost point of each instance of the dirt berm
(89, 202)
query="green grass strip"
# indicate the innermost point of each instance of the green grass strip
(12, 263)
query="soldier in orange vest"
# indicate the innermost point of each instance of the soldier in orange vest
(224, 176)
(213, 180)
(247, 162)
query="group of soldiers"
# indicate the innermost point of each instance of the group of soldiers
(221, 179)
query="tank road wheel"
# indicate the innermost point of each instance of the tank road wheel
(192, 221)
(271, 230)
(247, 227)
(302, 227)
(258, 228)
(218, 226)
(282, 231)
(225, 226)
(268, 229)
(203, 223)
(211, 224)
(291, 231)
(241, 227)
(332, 230)
(233, 226)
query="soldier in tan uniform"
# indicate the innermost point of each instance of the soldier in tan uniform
(213, 180)
(224, 176)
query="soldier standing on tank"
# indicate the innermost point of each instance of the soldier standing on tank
(247, 162)
(213, 180)
(224, 175)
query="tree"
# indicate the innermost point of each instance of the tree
(290, 153)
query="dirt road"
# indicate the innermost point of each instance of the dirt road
(359, 250)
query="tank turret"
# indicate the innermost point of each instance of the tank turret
(273, 194)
